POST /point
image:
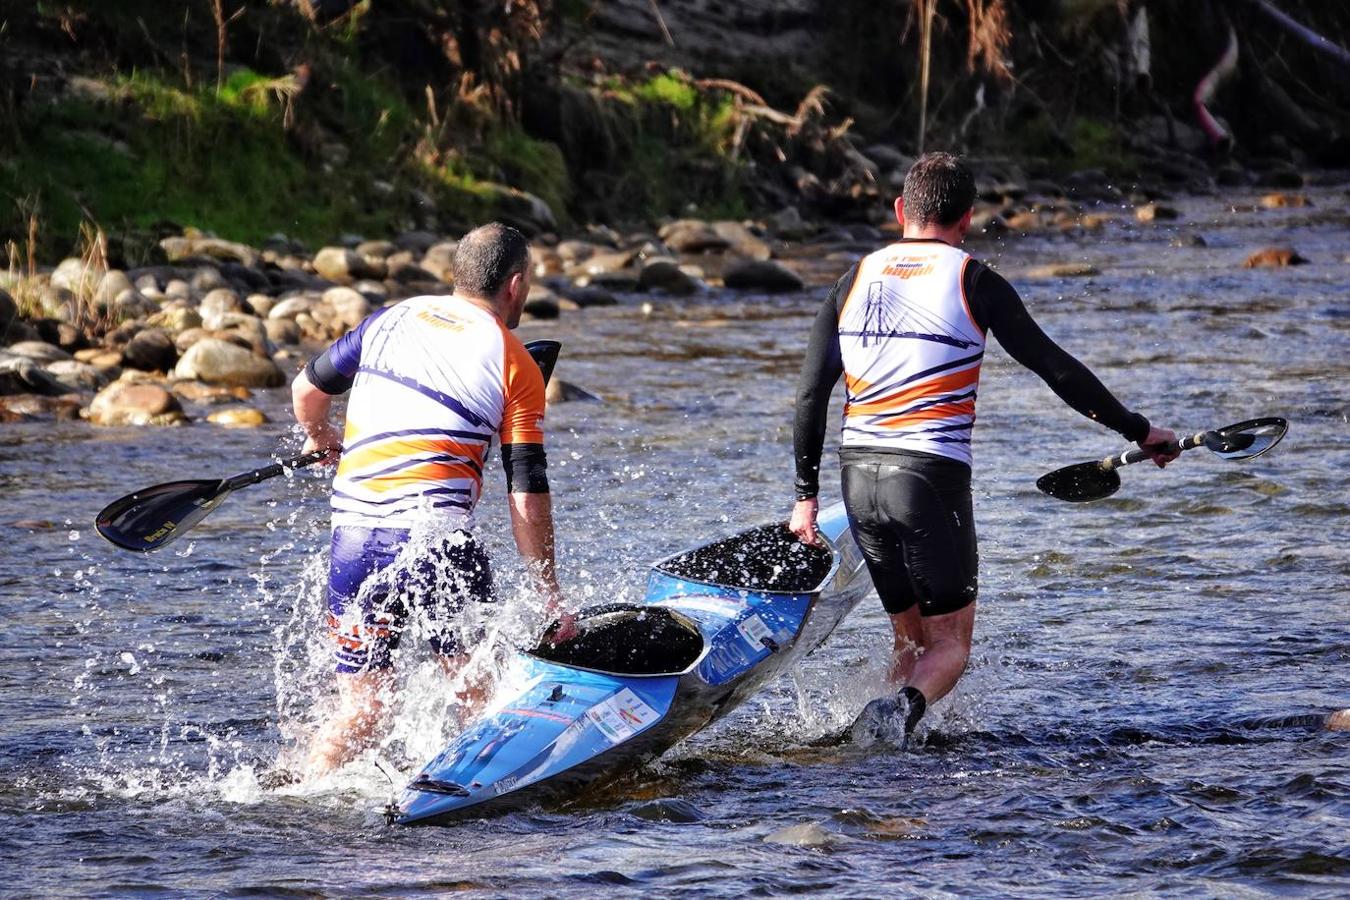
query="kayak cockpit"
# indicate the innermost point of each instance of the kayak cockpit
(627, 639)
(652, 640)
(768, 558)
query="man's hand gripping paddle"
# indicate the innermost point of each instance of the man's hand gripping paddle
(1099, 479)
(152, 517)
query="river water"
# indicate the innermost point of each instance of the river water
(1103, 739)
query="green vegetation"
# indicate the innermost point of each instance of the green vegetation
(674, 150)
(1082, 143)
(149, 153)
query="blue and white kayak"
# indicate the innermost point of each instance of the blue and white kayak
(716, 623)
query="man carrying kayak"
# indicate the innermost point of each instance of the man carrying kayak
(433, 381)
(906, 327)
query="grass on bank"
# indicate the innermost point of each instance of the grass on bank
(143, 154)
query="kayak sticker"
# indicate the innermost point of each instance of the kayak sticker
(754, 631)
(622, 716)
(709, 603)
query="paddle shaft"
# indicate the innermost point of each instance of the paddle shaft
(1138, 454)
(275, 469)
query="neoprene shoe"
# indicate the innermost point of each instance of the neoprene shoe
(882, 722)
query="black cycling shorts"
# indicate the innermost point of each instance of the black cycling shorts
(911, 516)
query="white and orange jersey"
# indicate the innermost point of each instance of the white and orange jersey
(911, 352)
(436, 380)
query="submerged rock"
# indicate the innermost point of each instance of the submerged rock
(39, 408)
(1156, 212)
(1281, 200)
(1064, 270)
(1273, 257)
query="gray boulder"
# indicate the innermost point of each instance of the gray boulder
(693, 236)
(349, 305)
(666, 275)
(111, 286)
(206, 279)
(176, 248)
(216, 304)
(151, 350)
(742, 241)
(77, 376)
(21, 375)
(135, 403)
(38, 351)
(282, 331)
(341, 265)
(217, 361)
(132, 304)
(761, 275)
(291, 307)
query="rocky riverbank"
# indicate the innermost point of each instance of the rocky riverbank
(190, 339)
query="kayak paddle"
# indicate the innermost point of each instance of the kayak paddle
(150, 518)
(1099, 479)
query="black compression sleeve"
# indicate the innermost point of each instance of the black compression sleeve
(324, 375)
(526, 468)
(997, 308)
(820, 370)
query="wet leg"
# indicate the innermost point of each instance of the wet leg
(909, 644)
(353, 725)
(946, 650)
(472, 683)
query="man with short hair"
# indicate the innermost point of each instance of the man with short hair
(434, 381)
(906, 327)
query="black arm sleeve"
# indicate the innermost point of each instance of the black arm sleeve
(997, 308)
(324, 375)
(820, 371)
(526, 468)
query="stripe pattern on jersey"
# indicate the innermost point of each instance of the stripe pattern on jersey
(911, 352)
(433, 385)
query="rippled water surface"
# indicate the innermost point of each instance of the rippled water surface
(1102, 740)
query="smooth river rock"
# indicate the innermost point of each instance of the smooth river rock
(761, 275)
(133, 403)
(151, 350)
(238, 417)
(217, 361)
(1273, 258)
(666, 275)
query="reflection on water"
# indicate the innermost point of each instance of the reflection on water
(1127, 652)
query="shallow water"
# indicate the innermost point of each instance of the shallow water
(1097, 744)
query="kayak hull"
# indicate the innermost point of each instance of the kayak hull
(715, 625)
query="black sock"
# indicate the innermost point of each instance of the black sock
(918, 705)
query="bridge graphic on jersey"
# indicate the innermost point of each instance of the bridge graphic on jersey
(888, 314)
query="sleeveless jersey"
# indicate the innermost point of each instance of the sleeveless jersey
(911, 352)
(437, 378)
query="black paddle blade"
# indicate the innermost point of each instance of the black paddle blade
(545, 354)
(1247, 440)
(151, 518)
(1080, 482)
